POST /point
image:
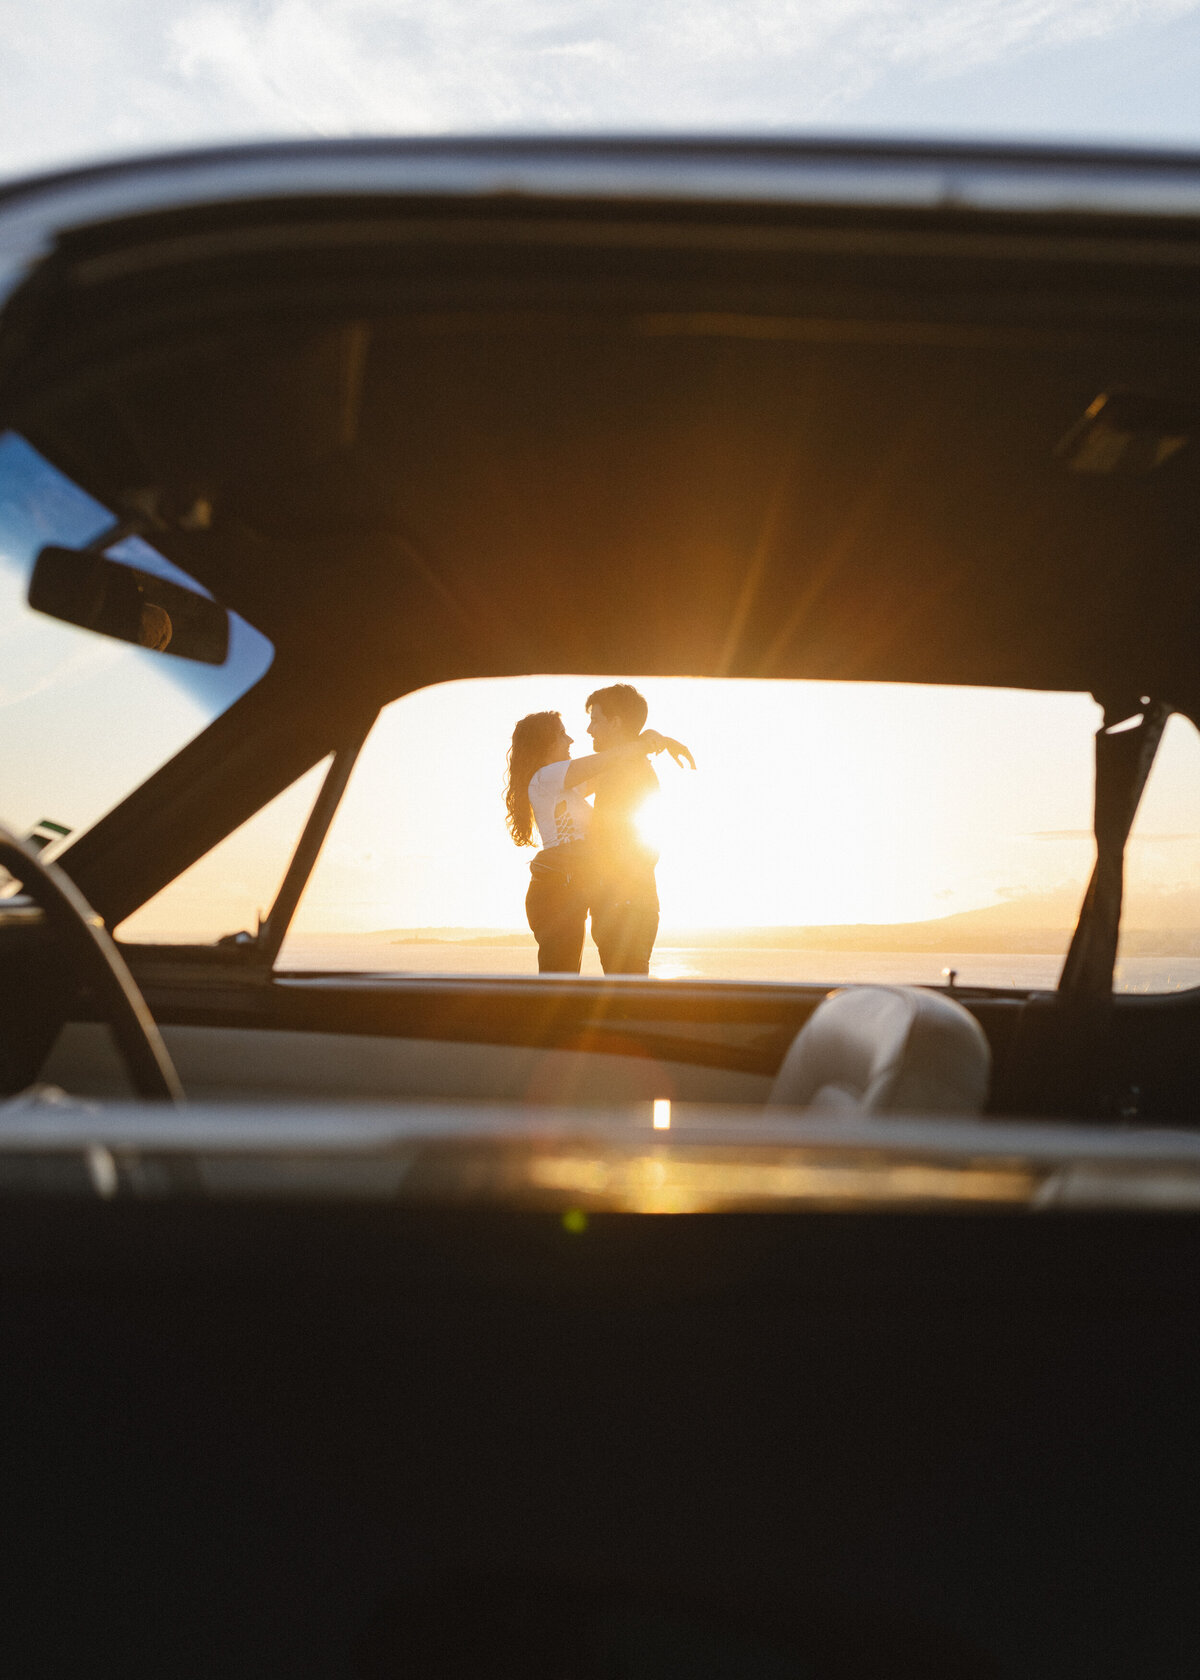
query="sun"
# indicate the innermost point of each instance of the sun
(651, 822)
(696, 886)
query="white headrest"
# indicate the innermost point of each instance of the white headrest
(886, 1050)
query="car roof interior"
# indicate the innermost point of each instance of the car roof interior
(801, 445)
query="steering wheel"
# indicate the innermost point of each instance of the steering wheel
(147, 1061)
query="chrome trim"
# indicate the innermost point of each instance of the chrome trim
(767, 173)
(713, 1158)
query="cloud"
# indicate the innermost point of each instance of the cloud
(365, 65)
(950, 39)
(85, 77)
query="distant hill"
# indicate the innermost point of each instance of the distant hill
(1031, 924)
(1167, 924)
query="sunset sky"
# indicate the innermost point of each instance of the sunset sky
(812, 803)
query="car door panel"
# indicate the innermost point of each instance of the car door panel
(227, 1063)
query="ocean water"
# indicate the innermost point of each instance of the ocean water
(338, 953)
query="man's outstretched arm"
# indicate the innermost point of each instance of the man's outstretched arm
(585, 770)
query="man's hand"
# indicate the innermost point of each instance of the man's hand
(650, 741)
(676, 749)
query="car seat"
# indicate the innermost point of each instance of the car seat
(886, 1050)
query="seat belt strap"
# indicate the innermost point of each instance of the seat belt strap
(1124, 756)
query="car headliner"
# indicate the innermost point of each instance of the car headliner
(765, 411)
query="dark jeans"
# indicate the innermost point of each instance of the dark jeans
(625, 925)
(556, 906)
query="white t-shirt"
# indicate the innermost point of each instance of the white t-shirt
(561, 813)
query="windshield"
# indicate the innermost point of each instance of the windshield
(830, 832)
(87, 719)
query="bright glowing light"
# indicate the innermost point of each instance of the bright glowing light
(662, 1114)
(811, 804)
(652, 822)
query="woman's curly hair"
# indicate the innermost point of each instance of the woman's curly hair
(531, 746)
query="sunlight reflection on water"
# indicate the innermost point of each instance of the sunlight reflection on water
(378, 954)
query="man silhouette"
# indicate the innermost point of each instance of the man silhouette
(625, 895)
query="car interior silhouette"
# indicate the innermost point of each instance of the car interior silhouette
(366, 1321)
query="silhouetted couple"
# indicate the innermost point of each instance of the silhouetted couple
(593, 857)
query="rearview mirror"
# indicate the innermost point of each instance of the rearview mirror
(88, 589)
